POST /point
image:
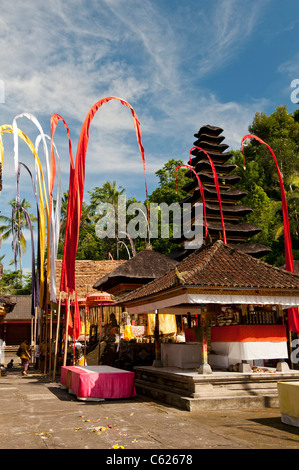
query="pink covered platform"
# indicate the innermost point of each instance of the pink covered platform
(98, 383)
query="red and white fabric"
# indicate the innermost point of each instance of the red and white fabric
(250, 342)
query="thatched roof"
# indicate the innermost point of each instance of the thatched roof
(216, 139)
(208, 129)
(204, 164)
(216, 157)
(208, 178)
(86, 274)
(211, 194)
(141, 269)
(253, 249)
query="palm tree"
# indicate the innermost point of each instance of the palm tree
(108, 193)
(1, 265)
(20, 224)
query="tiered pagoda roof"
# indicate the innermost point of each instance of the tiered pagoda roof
(237, 231)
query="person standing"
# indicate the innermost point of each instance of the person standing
(25, 356)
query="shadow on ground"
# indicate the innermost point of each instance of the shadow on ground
(276, 423)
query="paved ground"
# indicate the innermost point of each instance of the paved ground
(37, 414)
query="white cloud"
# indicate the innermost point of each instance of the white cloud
(60, 58)
(290, 67)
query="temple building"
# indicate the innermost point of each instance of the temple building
(237, 231)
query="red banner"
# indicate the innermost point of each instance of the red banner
(293, 316)
(76, 194)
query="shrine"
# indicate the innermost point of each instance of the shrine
(209, 139)
(236, 307)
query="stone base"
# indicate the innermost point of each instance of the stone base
(245, 367)
(194, 391)
(205, 369)
(282, 366)
(157, 363)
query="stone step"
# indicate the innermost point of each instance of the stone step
(208, 389)
(232, 402)
(189, 390)
(200, 385)
(212, 402)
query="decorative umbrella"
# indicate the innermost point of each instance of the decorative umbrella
(82, 302)
(99, 298)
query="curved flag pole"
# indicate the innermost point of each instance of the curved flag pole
(35, 121)
(41, 185)
(201, 190)
(131, 243)
(287, 234)
(55, 220)
(36, 281)
(123, 243)
(292, 312)
(16, 145)
(217, 187)
(54, 122)
(77, 190)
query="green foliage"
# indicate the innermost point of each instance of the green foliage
(15, 283)
(166, 190)
(280, 131)
(20, 224)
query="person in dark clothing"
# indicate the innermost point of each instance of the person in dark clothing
(10, 364)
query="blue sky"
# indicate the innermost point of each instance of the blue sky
(180, 64)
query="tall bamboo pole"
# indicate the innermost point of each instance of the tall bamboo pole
(46, 339)
(35, 325)
(85, 327)
(34, 332)
(66, 328)
(290, 346)
(31, 342)
(74, 342)
(157, 361)
(57, 336)
(31, 334)
(50, 338)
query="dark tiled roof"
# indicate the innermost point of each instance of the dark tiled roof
(219, 265)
